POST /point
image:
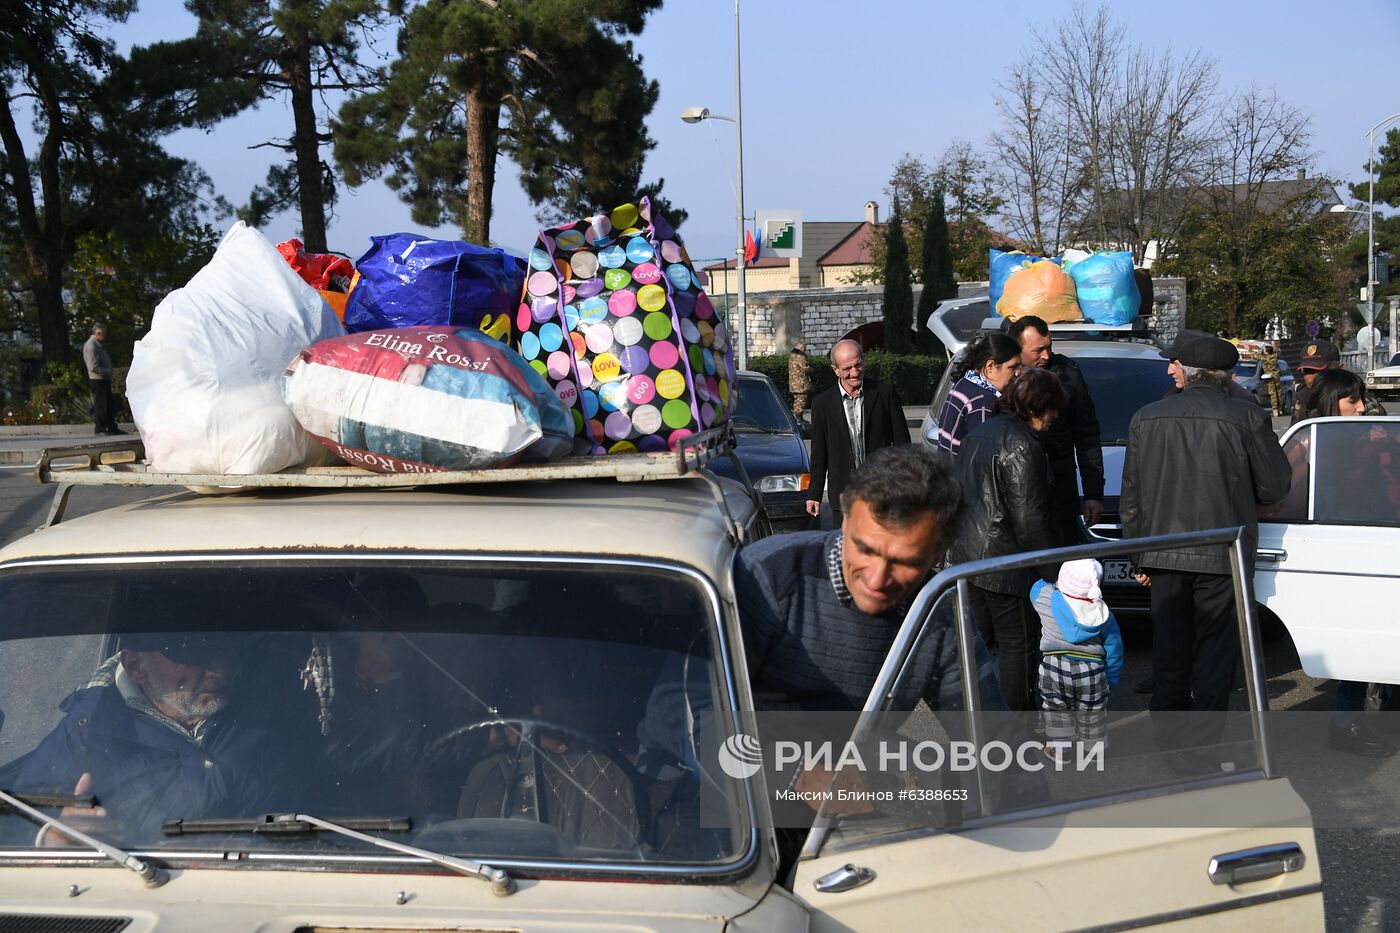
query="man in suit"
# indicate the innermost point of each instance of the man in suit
(850, 421)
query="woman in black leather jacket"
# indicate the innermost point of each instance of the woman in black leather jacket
(1006, 492)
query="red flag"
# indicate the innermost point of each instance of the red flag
(750, 248)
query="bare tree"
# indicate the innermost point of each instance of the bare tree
(1160, 140)
(1104, 141)
(1033, 162)
(1078, 62)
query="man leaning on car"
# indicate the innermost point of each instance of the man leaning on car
(1197, 460)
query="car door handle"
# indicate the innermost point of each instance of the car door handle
(1255, 864)
(1270, 555)
(844, 879)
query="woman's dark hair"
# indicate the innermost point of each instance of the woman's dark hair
(1330, 387)
(994, 346)
(1033, 392)
(903, 483)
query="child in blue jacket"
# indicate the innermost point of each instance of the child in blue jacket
(1082, 653)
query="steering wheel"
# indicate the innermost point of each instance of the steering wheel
(530, 729)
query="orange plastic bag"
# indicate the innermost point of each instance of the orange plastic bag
(1043, 289)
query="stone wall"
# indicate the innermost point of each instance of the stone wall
(822, 316)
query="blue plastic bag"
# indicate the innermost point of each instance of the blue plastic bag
(1001, 265)
(1108, 293)
(407, 280)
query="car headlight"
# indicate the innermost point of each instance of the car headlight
(784, 482)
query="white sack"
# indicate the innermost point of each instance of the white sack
(205, 383)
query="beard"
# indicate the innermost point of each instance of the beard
(188, 702)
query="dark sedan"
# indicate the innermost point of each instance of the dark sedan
(769, 444)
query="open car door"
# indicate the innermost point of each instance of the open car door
(1327, 562)
(1204, 839)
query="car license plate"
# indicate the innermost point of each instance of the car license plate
(1118, 571)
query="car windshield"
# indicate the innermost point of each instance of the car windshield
(760, 407)
(1246, 369)
(502, 711)
(1120, 386)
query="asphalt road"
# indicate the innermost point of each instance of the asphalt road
(1355, 802)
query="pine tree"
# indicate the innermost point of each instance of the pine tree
(555, 86)
(899, 293)
(936, 272)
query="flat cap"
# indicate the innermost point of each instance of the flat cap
(1319, 354)
(1202, 350)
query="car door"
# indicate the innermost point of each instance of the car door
(1141, 843)
(1326, 563)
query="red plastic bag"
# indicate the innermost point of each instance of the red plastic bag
(320, 270)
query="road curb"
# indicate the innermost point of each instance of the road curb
(21, 457)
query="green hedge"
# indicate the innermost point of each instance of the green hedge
(914, 377)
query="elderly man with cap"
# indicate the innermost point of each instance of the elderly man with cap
(153, 738)
(1196, 460)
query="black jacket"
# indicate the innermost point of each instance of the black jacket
(1199, 460)
(1074, 431)
(882, 418)
(1006, 498)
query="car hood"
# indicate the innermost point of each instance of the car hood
(765, 455)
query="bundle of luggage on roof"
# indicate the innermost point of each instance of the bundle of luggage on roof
(1099, 287)
(428, 354)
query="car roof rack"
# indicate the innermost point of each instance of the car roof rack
(1083, 330)
(122, 463)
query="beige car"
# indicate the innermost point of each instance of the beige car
(479, 707)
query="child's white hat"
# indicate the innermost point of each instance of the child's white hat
(1081, 578)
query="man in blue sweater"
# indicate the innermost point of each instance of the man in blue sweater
(819, 610)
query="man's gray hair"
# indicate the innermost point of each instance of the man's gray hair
(98, 326)
(1215, 377)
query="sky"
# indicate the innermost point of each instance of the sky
(835, 93)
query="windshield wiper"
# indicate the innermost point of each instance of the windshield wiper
(501, 883)
(742, 425)
(153, 876)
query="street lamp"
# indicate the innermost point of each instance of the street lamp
(1371, 232)
(696, 115)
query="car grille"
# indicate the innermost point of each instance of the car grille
(36, 923)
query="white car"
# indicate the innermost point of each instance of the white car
(1384, 382)
(1326, 564)
(474, 707)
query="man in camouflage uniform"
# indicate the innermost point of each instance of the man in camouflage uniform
(799, 379)
(1270, 361)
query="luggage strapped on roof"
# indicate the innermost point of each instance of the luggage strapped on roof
(122, 463)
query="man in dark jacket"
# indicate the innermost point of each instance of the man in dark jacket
(151, 738)
(1074, 435)
(1197, 460)
(850, 421)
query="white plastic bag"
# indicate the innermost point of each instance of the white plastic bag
(205, 382)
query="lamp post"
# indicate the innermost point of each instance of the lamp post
(1371, 231)
(696, 115)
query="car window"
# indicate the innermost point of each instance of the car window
(450, 695)
(759, 406)
(1246, 370)
(1358, 473)
(1294, 506)
(909, 757)
(1120, 386)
